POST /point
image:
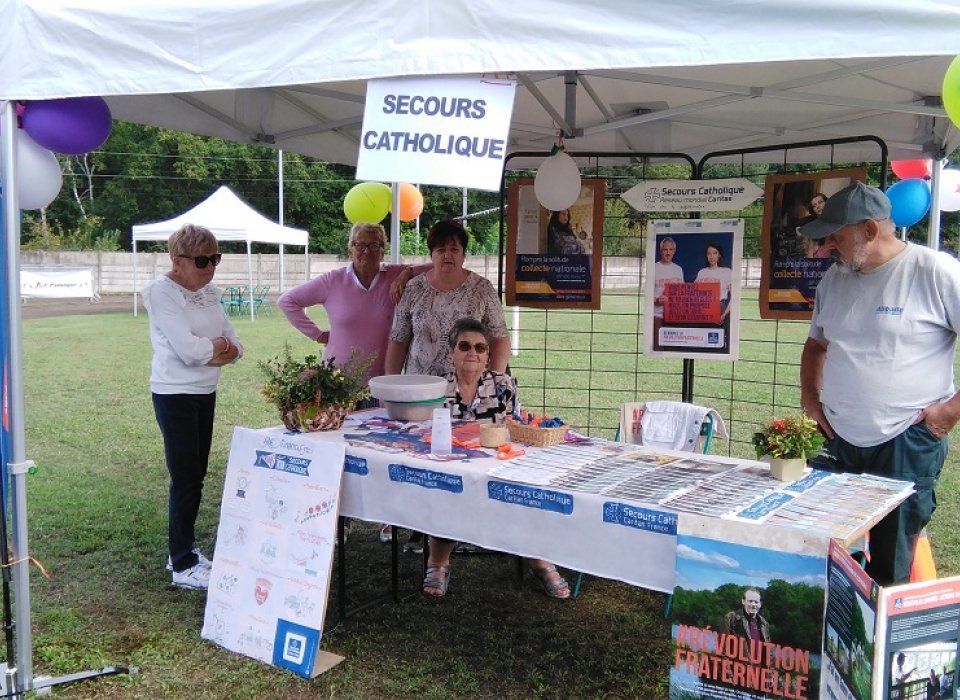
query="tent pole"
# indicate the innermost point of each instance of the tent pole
(250, 279)
(395, 223)
(134, 241)
(17, 463)
(280, 211)
(933, 229)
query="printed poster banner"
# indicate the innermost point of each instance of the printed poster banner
(436, 131)
(728, 195)
(692, 298)
(791, 265)
(747, 622)
(550, 254)
(271, 573)
(897, 642)
(57, 283)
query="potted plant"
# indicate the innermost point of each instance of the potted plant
(314, 394)
(789, 442)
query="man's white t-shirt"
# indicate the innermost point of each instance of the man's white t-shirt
(890, 336)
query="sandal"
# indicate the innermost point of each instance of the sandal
(436, 581)
(553, 588)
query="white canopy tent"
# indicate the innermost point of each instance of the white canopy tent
(229, 218)
(680, 75)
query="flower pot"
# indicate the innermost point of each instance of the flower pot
(787, 468)
(310, 416)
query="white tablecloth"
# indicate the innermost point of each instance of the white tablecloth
(603, 534)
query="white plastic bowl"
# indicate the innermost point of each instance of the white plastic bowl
(415, 411)
(407, 387)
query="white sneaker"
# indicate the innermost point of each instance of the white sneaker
(201, 560)
(196, 578)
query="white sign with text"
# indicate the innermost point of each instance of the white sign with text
(436, 131)
(732, 194)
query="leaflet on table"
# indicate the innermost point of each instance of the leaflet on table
(385, 434)
(894, 642)
(826, 503)
(832, 504)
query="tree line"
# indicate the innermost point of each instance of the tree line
(144, 174)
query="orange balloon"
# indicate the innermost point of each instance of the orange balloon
(411, 202)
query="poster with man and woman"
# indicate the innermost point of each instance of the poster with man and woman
(791, 264)
(692, 299)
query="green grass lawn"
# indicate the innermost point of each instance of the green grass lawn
(97, 523)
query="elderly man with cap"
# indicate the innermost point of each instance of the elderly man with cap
(877, 368)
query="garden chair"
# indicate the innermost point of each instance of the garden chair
(262, 300)
(232, 300)
(671, 425)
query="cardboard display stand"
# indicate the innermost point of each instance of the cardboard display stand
(888, 642)
(271, 573)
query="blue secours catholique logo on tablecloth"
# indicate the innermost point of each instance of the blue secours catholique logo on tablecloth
(427, 478)
(282, 463)
(647, 519)
(530, 496)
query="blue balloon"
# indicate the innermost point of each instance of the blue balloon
(909, 201)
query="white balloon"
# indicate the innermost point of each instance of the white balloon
(557, 184)
(39, 177)
(949, 190)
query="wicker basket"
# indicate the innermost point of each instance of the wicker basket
(532, 435)
(310, 416)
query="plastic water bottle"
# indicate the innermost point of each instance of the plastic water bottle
(441, 438)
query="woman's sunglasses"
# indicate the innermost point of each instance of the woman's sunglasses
(465, 345)
(201, 261)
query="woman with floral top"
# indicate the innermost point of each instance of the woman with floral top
(474, 392)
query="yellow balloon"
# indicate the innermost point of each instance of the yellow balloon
(368, 201)
(951, 91)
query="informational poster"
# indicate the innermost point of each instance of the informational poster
(436, 131)
(554, 257)
(746, 623)
(57, 283)
(791, 264)
(271, 570)
(897, 642)
(692, 294)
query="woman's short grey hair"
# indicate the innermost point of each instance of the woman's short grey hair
(190, 239)
(468, 325)
(364, 226)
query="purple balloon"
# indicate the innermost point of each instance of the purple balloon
(73, 125)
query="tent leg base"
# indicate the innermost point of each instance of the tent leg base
(42, 685)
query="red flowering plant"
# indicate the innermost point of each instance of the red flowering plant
(789, 438)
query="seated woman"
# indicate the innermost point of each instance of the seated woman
(474, 392)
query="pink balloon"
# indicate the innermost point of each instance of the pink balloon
(909, 169)
(73, 125)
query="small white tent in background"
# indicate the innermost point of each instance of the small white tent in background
(229, 218)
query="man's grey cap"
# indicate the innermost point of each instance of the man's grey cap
(853, 204)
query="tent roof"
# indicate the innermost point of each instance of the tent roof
(684, 75)
(229, 218)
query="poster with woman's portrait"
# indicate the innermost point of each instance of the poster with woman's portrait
(550, 254)
(791, 264)
(692, 293)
